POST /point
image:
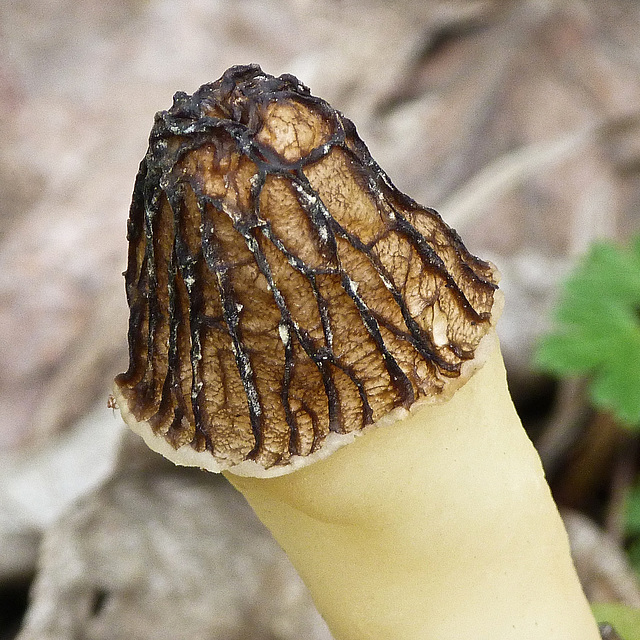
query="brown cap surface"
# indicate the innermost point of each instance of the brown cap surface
(283, 293)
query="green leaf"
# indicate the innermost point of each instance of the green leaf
(633, 553)
(625, 620)
(632, 511)
(616, 388)
(597, 329)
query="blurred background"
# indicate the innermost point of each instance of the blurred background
(518, 120)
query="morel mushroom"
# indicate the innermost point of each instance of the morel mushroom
(286, 300)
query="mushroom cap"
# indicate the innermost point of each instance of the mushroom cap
(284, 296)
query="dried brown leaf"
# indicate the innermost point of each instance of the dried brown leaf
(160, 553)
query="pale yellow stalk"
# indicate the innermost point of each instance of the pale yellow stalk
(438, 527)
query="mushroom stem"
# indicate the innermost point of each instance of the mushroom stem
(439, 527)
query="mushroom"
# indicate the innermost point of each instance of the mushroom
(328, 344)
